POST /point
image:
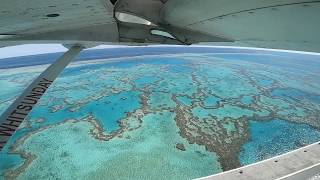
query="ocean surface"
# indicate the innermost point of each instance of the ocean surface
(160, 112)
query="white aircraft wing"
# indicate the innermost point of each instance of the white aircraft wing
(57, 21)
(284, 24)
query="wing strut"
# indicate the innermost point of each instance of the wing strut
(22, 106)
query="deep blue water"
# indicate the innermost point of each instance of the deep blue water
(288, 61)
(137, 51)
(295, 94)
(270, 138)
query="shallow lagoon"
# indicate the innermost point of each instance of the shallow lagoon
(172, 116)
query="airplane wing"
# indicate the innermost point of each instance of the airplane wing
(284, 24)
(57, 21)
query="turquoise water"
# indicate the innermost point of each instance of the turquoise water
(265, 82)
(185, 100)
(247, 100)
(9, 161)
(145, 80)
(113, 108)
(176, 116)
(211, 101)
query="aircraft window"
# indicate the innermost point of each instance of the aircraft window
(3, 36)
(113, 1)
(53, 15)
(130, 18)
(162, 33)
